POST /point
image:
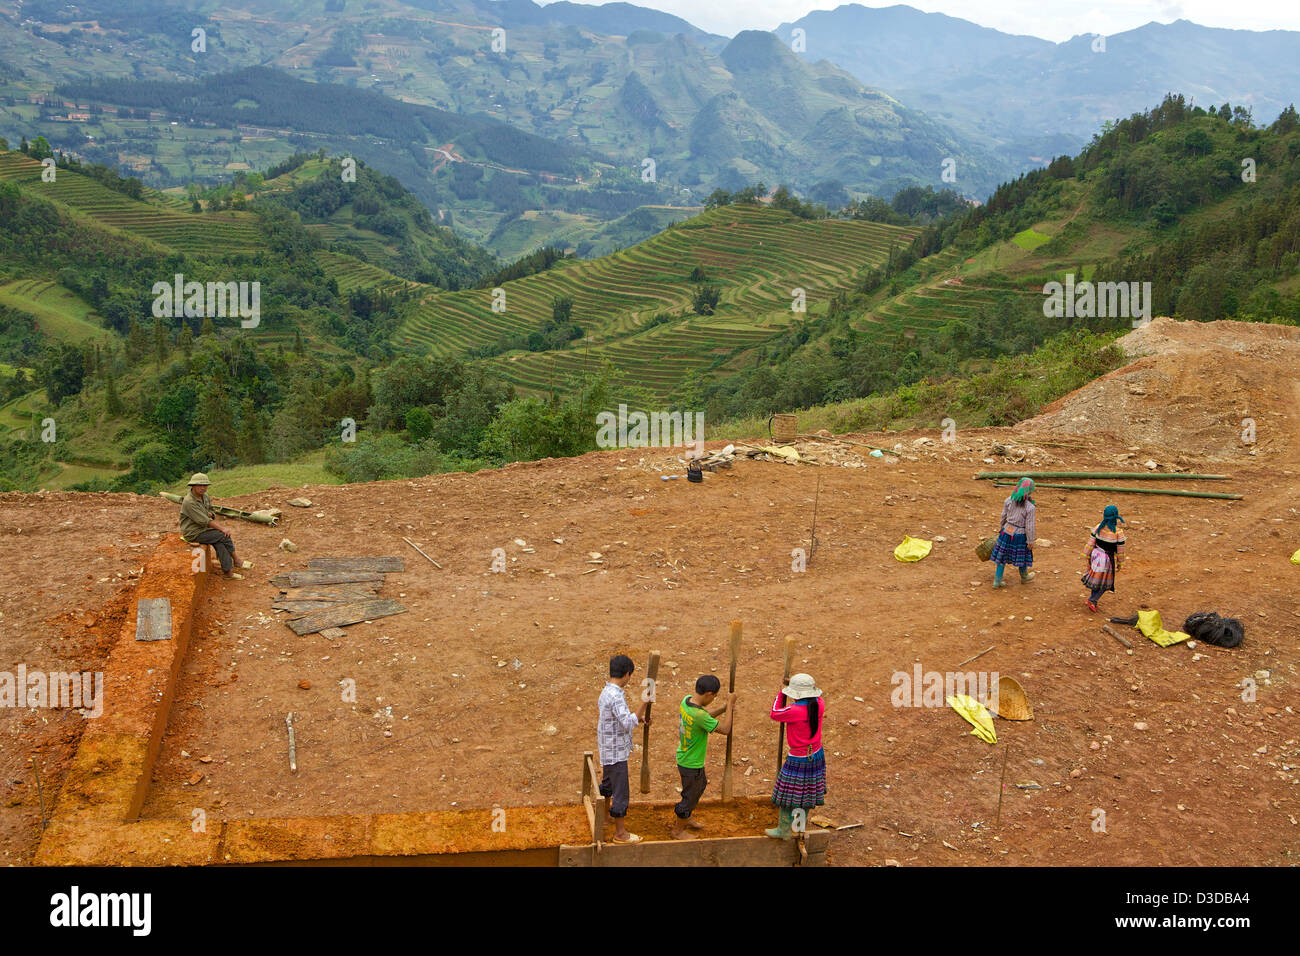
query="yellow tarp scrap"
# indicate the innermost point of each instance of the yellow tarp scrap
(1149, 623)
(977, 714)
(780, 452)
(912, 549)
(1295, 558)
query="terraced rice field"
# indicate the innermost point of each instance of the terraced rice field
(160, 218)
(756, 256)
(58, 313)
(927, 307)
(351, 274)
(657, 360)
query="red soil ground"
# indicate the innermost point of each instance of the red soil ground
(484, 693)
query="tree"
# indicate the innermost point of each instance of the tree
(215, 441)
(161, 342)
(252, 444)
(561, 310)
(112, 402)
(706, 299)
(419, 423)
(62, 372)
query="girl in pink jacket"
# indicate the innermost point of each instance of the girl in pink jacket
(801, 784)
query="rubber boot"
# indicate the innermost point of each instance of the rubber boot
(997, 576)
(782, 830)
(1026, 575)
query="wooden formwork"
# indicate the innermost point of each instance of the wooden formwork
(96, 818)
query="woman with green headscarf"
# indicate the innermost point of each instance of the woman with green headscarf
(1015, 545)
(1104, 554)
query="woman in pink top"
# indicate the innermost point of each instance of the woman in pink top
(801, 784)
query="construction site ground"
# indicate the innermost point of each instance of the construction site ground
(483, 694)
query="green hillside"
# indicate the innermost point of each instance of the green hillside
(155, 218)
(1158, 198)
(753, 254)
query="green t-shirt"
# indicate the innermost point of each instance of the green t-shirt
(694, 729)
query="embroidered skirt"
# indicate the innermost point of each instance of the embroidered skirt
(1012, 550)
(1101, 572)
(801, 782)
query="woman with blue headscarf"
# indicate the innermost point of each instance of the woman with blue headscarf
(1015, 544)
(1105, 554)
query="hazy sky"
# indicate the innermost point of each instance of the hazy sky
(1055, 20)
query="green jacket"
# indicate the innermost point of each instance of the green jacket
(196, 515)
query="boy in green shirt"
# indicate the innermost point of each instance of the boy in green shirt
(697, 721)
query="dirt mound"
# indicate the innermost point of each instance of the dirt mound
(1193, 391)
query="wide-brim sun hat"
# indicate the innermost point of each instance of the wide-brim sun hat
(199, 478)
(1012, 702)
(802, 686)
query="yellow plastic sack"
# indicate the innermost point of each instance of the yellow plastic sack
(977, 714)
(912, 549)
(1149, 623)
(1295, 558)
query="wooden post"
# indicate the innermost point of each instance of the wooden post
(652, 674)
(780, 732)
(597, 801)
(731, 689)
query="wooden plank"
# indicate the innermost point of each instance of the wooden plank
(356, 564)
(591, 817)
(153, 619)
(1117, 635)
(343, 614)
(304, 579)
(299, 608)
(576, 856)
(719, 851)
(339, 592)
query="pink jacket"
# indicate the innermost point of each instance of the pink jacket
(795, 717)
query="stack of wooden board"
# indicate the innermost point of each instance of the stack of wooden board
(335, 592)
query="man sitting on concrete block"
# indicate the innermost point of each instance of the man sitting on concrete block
(199, 526)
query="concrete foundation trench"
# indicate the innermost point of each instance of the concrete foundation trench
(96, 818)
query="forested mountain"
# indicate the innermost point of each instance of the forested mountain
(627, 107)
(1164, 197)
(1027, 97)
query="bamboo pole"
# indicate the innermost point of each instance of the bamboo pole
(261, 517)
(1002, 784)
(1130, 491)
(1134, 475)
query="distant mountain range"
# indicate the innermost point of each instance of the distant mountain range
(863, 101)
(1030, 98)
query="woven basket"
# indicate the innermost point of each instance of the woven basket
(984, 550)
(785, 428)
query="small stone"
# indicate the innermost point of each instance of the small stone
(300, 502)
(287, 545)
(305, 684)
(1140, 725)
